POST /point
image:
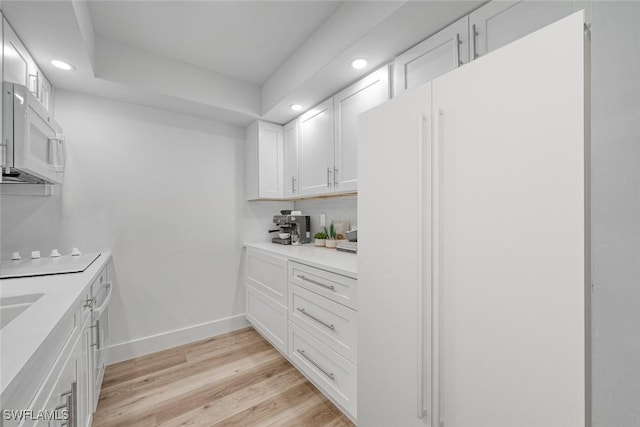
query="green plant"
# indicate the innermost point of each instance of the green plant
(320, 235)
(331, 232)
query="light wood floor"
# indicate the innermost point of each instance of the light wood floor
(236, 379)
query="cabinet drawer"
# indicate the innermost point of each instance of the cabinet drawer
(338, 288)
(269, 274)
(331, 323)
(268, 317)
(329, 371)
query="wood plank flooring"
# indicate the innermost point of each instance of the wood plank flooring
(236, 379)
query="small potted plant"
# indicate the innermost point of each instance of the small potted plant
(320, 237)
(330, 241)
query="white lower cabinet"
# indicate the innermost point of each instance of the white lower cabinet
(268, 317)
(309, 315)
(331, 323)
(267, 297)
(60, 389)
(334, 375)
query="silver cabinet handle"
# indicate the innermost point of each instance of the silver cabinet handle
(97, 343)
(328, 177)
(311, 316)
(474, 35)
(331, 287)
(335, 176)
(293, 184)
(456, 51)
(314, 363)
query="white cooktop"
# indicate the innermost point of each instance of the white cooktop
(46, 266)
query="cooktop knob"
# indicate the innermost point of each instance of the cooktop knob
(55, 254)
(76, 252)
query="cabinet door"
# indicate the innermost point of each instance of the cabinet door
(270, 160)
(85, 376)
(16, 57)
(438, 54)
(316, 150)
(511, 246)
(291, 130)
(46, 93)
(348, 104)
(500, 22)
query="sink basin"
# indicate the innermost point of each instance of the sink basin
(12, 307)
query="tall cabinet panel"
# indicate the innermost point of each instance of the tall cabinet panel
(365, 94)
(500, 22)
(316, 150)
(511, 240)
(392, 380)
(442, 52)
(291, 136)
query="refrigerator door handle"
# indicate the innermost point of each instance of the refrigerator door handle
(436, 259)
(425, 369)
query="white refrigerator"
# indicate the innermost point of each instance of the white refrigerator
(473, 252)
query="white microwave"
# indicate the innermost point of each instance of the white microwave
(33, 147)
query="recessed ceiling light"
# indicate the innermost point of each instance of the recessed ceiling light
(62, 65)
(359, 63)
(296, 107)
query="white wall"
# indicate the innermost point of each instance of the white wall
(616, 213)
(334, 208)
(163, 192)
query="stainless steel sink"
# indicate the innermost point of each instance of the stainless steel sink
(12, 307)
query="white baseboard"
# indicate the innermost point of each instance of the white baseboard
(142, 346)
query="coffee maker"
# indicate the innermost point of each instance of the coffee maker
(297, 226)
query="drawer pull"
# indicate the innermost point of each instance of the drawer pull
(325, 324)
(324, 371)
(331, 287)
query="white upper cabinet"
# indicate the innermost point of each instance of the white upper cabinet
(264, 157)
(442, 52)
(19, 67)
(500, 22)
(348, 104)
(316, 150)
(291, 131)
(16, 57)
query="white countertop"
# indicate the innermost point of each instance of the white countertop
(21, 339)
(344, 263)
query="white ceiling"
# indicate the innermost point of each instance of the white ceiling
(246, 40)
(229, 61)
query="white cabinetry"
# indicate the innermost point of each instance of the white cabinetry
(328, 147)
(316, 150)
(19, 67)
(267, 297)
(310, 315)
(500, 22)
(322, 332)
(348, 104)
(291, 136)
(60, 390)
(493, 286)
(264, 161)
(442, 52)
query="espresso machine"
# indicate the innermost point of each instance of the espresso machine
(298, 228)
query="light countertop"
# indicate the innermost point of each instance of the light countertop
(344, 263)
(22, 339)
